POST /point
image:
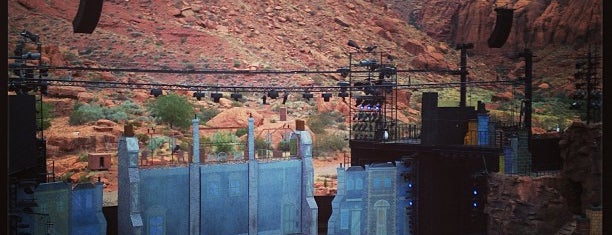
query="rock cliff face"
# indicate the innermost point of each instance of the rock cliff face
(526, 205)
(581, 153)
(537, 23)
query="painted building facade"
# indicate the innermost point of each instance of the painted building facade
(372, 200)
(61, 208)
(251, 196)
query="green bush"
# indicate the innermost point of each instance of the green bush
(206, 114)
(224, 141)
(173, 109)
(329, 143)
(320, 121)
(156, 142)
(142, 137)
(284, 146)
(241, 132)
(45, 110)
(261, 144)
(84, 113)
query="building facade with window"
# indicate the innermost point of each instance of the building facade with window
(370, 200)
(250, 196)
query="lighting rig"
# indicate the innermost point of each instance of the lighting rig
(588, 95)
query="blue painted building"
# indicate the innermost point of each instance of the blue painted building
(248, 196)
(58, 208)
(373, 200)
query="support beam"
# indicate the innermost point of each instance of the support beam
(463, 71)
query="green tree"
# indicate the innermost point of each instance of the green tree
(173, 109)
(224, 141)
(45, 110)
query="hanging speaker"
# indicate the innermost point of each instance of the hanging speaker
(87, 16)
(503, 24)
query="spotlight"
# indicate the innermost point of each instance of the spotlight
(343, 94)
(236, 96)
(344, 71)
(352, 43)
(31, 55)
(307, 96)
(370, 48)
(198, 95)
(156, 92)
(285, 96)
(326, 96)
(273, 94)
(216, 96)
(29, 35)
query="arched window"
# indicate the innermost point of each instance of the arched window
(381, 208)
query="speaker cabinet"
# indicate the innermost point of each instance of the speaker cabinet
(503, 25)
(22, 133)
(87, 16)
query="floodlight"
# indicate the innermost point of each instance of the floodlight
(216, 96)
(326, 96)
(273, 94)
(236, 96)
(198, 95)
(156, 92)
(307, 96)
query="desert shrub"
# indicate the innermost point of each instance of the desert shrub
(284, 146)
(156, 142)
(328, 143)
(241, 132)
(260, 143)
(206, 114)
(84, 113)
(45, 110)
(142, 137)
(224, 141)
(320, 121)
(115, 114)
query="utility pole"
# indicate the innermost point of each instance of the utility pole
(463, 70)
(528, 55)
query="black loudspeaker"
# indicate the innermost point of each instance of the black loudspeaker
(87, 16)
(503, 24)
(23, 153)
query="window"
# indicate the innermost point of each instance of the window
(359, 184)
(350, 184)
(387, 182)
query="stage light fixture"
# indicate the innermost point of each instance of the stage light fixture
(156, 92)
(352, 43)
(344, 71)
(273, 94)
(326, 96)
(307, 96)
(216, 96)
(236, 96)
(198, 95)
